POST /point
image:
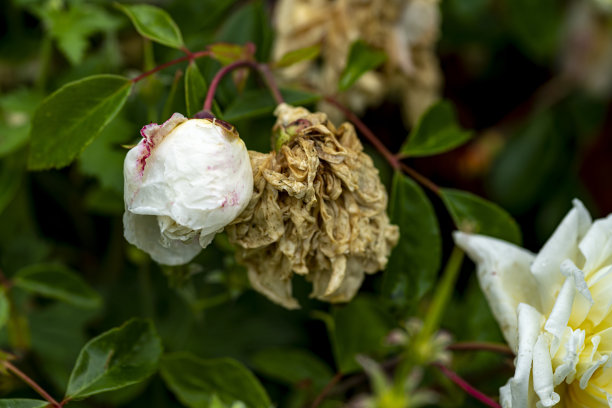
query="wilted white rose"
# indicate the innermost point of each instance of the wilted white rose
(184, 182)
(554, 310)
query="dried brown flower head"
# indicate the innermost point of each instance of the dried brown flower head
(318, 209)
(407, 30)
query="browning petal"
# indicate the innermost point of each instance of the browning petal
(318, 209)
(407, 30)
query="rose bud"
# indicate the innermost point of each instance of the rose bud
(184, 182)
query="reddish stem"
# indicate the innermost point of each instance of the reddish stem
(393, 161)
(32, 384)
(465, 386)
(263, 70)
(481, 346)
(4, 281)
(189, 57)
(420, 178)
(390, 157)
(319, 399)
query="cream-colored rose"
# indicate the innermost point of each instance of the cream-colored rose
(554, 309)
(184, 182)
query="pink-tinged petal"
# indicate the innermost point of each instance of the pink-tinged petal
(503, 274)
(563, 244)
(184, 182)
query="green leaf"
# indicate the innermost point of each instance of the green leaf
(476, 215)
(260, 102)
(299, 55)
(57, 282)
(228, 53)
(17, 108)
(359, 328)
(71, 27)
(58, 331)
(527, 170)
(436, 132)
(120, 357)
(175, 101)
(23, 403)
(11, 174)
(195, 381)
(104, 157)
(414, 262)
(195, 89)
(292, 367)
(4, 308)
(70, 118)
(361, 59)
(536, 25)
(248, 24)
(154, 23)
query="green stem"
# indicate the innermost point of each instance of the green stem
(45, 61)
(442, 295)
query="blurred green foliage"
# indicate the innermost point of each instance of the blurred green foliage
(538, 142)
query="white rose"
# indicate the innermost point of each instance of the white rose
(554, 310)
(184, 182)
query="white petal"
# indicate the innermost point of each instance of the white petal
(557, 321)
(543, 374)
(596, 246)
(505, 396)
(529, 326)
(143, 232)
(566, 371)
(203, 186)
(503, 273)
(563, 244)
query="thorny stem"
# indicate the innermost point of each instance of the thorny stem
(263, 70)
(189, 57)
(319, 399)
(465, 386)
(10, 367)
(481, 346)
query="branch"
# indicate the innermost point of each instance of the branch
(319, 399)
(10, 367)
(189, 57)
(263, 70)
(465, 386)
(390, 157)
